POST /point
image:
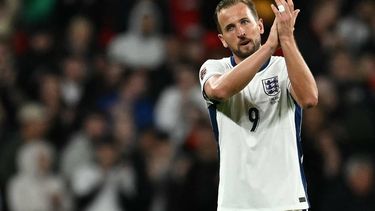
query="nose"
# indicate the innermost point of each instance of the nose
(241, 32)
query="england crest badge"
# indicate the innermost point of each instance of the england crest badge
(271, 86)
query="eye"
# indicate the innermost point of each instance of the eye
(245, 21)
(230, 28)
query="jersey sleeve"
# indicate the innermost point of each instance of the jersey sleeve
(284, 77)
(209, 69)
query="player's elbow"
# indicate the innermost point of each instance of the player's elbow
(309, 102)
(219, 93)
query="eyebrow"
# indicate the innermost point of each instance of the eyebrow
(228, 26)
(232, 24)
(245, 18)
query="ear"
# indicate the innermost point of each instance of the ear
(222, 40)
(261, 26)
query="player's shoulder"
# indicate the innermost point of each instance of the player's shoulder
(216, 62)
(213, 67)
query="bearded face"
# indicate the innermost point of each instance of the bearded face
(240, 30)
(245, 47)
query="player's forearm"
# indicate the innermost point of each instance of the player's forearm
(235, 80)
(303, 84)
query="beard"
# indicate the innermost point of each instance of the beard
(244, 51)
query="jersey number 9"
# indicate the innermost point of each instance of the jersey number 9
(254, 118)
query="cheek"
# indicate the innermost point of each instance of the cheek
(253, 30)
(230, 40)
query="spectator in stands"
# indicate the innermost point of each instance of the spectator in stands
(124, 134)
(35, 187)
(102, 86)
(80, 38)
(321, 35)
(153, 159)
(355, 28)
(132, 97)
(201, 178)
(357, 191)
(33, 123)
(141, 45)
(60, 121)
(354, 100)
(75, 71)
(80, 150)
(179, 104)
(10, 93)
(8, 13)
(39, 58)
(105, 184)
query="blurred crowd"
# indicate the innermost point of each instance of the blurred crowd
(101, 109)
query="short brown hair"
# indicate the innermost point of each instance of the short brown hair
(228, 3)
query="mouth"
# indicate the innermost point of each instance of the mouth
(244, 42)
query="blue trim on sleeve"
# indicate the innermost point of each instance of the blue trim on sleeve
(298, 124)
(213, 118)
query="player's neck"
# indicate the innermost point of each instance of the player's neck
(237, 59)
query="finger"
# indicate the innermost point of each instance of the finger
(275, 10)
(291, 5)
(278, 5)
(286, 5)
(295, 13)
(274, 23)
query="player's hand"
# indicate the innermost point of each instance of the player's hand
(285, 19)
(273, 37)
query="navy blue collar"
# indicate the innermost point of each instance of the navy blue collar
(233, 62)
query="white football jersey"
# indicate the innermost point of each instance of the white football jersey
(258, 133)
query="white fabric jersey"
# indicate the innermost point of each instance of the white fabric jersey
(258, 132)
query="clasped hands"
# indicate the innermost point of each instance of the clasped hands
(283, 25)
